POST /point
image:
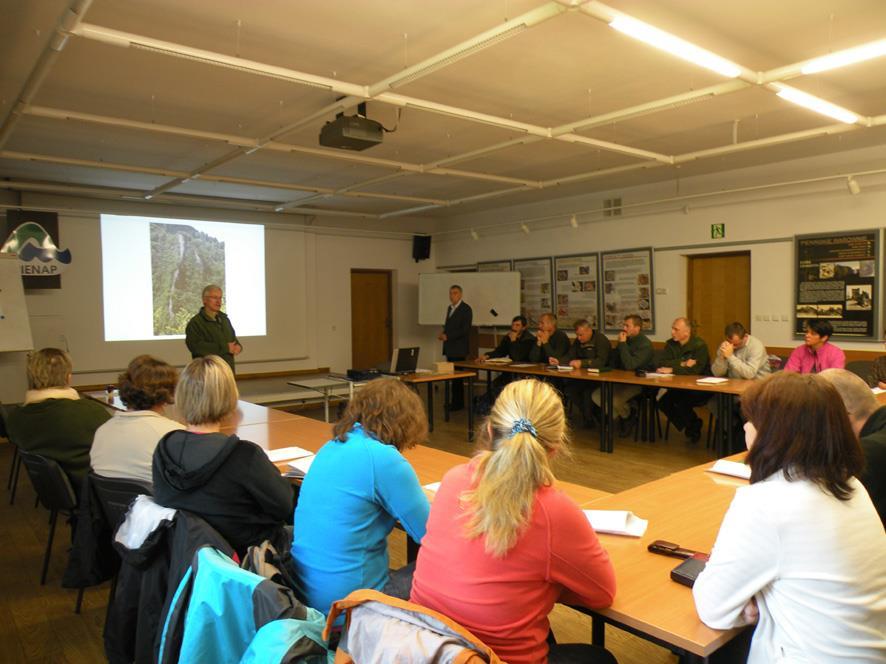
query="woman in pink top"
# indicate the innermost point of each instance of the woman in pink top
(503, 545)
(817, 353)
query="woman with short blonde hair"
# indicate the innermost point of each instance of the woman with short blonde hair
(207, 391)
(504, 545)
(48, 368)
(54, 421)
(229, 482)
(360, 482)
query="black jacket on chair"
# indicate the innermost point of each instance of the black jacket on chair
(457, 329)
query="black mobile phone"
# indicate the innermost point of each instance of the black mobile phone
(665, 548)
(687, 572)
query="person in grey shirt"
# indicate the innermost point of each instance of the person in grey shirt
(741, 355)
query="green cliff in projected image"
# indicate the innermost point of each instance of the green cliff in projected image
(183, 261)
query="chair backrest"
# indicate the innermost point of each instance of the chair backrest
(864, 369)
(50, 482)
(116, 495)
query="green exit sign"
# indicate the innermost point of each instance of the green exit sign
(718, 231)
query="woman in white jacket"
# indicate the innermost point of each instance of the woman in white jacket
(801, 551)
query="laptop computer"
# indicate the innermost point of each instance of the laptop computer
(404, 360)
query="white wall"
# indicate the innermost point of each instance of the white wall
(308, 298)
(761, 223)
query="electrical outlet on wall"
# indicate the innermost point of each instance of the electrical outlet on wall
(785, 318)
(766, 317)
(758, 317)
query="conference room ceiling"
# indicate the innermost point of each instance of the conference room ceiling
(497, 126)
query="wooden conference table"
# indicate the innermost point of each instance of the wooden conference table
(722, 392)
(685, 507)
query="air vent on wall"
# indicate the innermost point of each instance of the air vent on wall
(612, 207)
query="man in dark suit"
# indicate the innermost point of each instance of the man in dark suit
(454, 336)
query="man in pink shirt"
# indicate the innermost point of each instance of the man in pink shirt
(817, 354)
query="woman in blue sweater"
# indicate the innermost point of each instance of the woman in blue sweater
(358, 487)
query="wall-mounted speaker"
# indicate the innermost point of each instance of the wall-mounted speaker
(421, 247)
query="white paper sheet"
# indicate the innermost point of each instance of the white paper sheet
(733, 468)
(617, 522)
(287, 453)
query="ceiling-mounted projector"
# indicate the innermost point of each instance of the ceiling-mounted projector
(352, 132)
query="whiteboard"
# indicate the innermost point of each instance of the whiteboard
(484, 291)
(15, 328)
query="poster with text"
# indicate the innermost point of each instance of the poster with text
(494, 266)
(577, 291)
(837, 280)
(536, 289)
(628, 288)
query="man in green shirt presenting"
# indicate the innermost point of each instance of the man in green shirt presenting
(210, 331)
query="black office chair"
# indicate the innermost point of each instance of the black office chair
(864, 369)
(15, 466)
(53, 489)
(115, 495)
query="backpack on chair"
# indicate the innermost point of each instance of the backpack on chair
(381, 629)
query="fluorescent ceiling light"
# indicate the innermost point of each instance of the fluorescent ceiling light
(847, 57)
(813, 103)
(675, 46)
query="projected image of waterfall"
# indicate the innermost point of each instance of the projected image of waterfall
(154, 271)
(182, 256)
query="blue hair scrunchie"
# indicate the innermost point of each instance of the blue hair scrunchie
(523, 426)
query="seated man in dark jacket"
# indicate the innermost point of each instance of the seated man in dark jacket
(868, 419)
(549, 341)
(54, 421)
(634, 351)
(684, 354)
(589, 350)
(516, 345)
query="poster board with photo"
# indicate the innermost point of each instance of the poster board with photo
(536, 288)
(627, 288)
(495, 266)
(836, 279)
(576, 278)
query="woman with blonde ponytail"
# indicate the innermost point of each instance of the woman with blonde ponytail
(503, 545)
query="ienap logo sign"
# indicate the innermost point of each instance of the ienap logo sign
(36, 251)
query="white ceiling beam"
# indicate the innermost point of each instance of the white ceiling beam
(469, 47)
(57, 42)
(656, 106)
(129, 40)
(183, 176)
(181, 199)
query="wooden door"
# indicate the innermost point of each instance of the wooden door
(371, 314)
(719, 288)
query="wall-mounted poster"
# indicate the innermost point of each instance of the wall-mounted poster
(577, 292)
(536, 288)
(494, 266)
(837, 280)
(628, 288)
